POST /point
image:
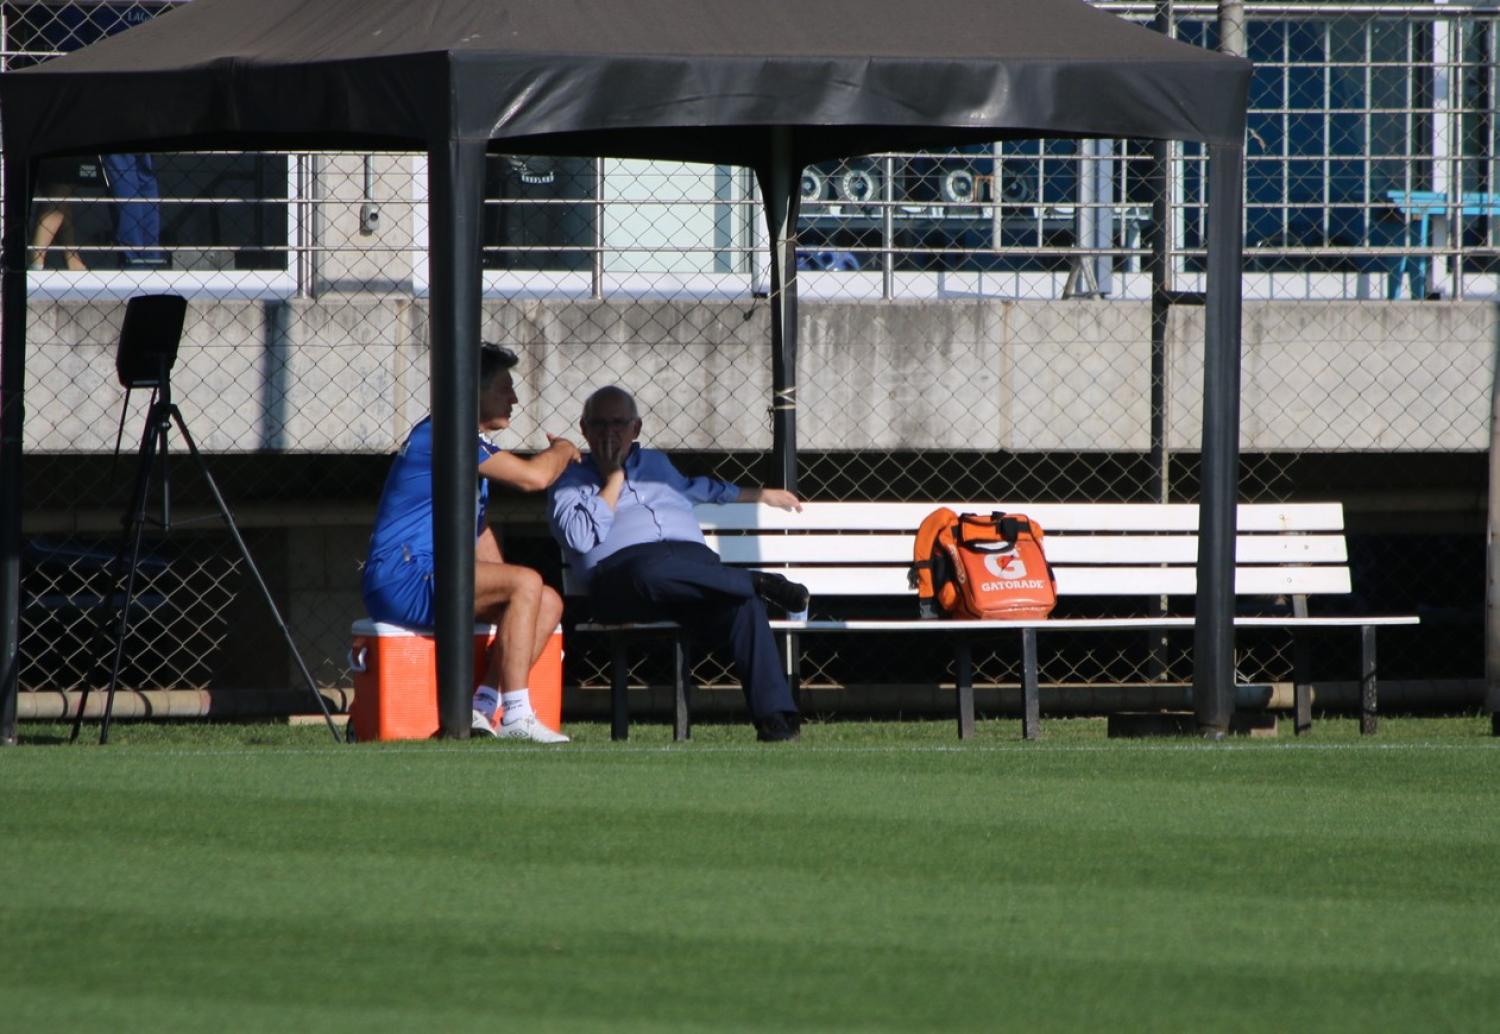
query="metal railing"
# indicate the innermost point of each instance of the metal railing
(1354, 109)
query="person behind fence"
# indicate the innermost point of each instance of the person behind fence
(133, 183)
(399, 573)
(59, 179)
(624, 519)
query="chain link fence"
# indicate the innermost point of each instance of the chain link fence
(986, 323)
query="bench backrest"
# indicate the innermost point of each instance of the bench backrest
(1096, 549)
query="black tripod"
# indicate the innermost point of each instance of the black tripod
(148, 348)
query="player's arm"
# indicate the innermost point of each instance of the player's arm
(530, 473)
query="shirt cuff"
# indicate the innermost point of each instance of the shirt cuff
(593, 514)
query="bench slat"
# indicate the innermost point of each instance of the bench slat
(1089, 581)
(1069, 624)
(1050, 624)
(1061, 549)
(1121, 517)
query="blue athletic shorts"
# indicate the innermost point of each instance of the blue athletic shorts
(398, 589)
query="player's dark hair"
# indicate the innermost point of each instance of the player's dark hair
(494, 359)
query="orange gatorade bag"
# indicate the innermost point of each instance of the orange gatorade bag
(968, 566)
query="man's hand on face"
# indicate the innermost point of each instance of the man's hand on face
(612, 456)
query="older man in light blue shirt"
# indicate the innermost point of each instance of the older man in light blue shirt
(624, 519)
(656, 506)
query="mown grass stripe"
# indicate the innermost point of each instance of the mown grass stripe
(844, 884)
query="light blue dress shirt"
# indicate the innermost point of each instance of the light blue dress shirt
(656, 505)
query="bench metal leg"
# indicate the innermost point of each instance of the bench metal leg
(1301, 674)
(1367, 694)
(1158, 645)
(794, 668)
(682, 684)
(1031, 707)
(619, 702)
(963, 669)
(1302, 707)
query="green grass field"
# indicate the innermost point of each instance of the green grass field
(872, 877)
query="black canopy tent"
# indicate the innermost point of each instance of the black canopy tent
(773, 86)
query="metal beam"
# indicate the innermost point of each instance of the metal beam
(780, 188)
(18, 180)
(1213, 630)
(1492, 553)
(457, 168)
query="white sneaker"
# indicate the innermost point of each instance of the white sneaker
(530, 728)
(480, 723)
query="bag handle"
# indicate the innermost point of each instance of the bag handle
(1010, 527)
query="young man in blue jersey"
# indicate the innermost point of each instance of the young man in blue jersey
(398, 578)
(624, 519)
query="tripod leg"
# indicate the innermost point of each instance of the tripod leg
(260, 582)
(121, 630)
(130, 540)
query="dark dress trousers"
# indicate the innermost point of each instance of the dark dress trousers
(685, 582)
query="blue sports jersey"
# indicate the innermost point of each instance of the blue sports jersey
(403, 521)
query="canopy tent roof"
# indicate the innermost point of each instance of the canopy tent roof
(773, 85)
(677, 79)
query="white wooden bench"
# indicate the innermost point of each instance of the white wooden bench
(1288, 551)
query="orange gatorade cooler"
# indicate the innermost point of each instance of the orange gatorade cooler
(395, 680)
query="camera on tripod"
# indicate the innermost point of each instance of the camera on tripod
(149, 339)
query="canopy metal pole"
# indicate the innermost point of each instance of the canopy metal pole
(1492, 560)
(457, 193)
(12, 418)
(780, 187)
(1163, 285)
(1213, 628)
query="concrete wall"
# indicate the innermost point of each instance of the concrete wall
(349, 373)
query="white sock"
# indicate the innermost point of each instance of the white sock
(517, 705)
(487, 701)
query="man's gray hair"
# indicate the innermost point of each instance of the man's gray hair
(610, 391)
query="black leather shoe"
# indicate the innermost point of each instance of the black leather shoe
(784, 593)
(779, 727)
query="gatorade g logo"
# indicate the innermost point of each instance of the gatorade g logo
(1008, 566)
